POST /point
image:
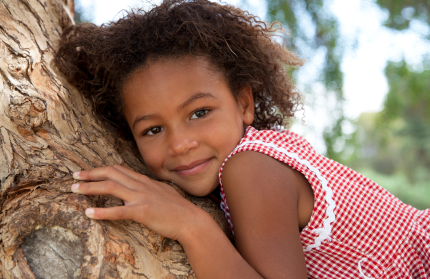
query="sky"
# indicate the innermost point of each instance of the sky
(368, 47)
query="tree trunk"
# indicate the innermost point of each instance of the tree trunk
(47, 132)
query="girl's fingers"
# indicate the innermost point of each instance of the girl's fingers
(107, 187)
(96, 174)
(107, 173)
(131, 173)
(141, 177)
(110, 213)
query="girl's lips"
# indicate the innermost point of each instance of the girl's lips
(193, 168)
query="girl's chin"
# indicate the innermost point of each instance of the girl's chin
(198, 189)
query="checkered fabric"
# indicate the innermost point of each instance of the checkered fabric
(357, 228)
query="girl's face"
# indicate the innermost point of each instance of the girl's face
(185, 120)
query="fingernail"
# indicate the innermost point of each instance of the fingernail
(89, 212)
(76, 174)
(75, 188)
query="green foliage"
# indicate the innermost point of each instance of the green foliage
(406, 115)
(320, 31)
(409, 94)
(401, 12)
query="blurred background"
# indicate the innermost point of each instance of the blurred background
(366, 81)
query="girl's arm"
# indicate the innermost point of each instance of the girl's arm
(270, 253)
(264, 197)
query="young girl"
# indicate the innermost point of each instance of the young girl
(198, 86)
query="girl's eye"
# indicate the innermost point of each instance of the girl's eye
(199, 113)
(153, 131)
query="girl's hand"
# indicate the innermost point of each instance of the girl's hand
(151, 203)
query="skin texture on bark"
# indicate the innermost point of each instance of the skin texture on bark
(47, 132)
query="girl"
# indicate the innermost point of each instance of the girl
(198, 86)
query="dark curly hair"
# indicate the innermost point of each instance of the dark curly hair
(98, 60)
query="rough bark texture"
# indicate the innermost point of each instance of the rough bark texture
(48, 131)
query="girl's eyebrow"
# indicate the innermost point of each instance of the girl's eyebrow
(193, 98)
(142, 118)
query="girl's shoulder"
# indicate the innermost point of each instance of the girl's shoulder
(276, 156)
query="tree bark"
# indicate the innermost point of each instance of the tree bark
(47, 132)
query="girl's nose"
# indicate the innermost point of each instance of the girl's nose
(181, 143)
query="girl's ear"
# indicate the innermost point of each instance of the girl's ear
(245, 101)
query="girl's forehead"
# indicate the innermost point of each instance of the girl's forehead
(157, 74)
(171, 81)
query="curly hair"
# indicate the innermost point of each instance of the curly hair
(98, 60)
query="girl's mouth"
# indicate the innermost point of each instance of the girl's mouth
(193, 168)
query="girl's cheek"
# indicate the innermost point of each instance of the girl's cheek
(152, 159)
(144, 152)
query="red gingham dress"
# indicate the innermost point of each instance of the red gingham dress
(357, 228)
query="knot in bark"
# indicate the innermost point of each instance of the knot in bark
(28, 112)
(17, 67)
